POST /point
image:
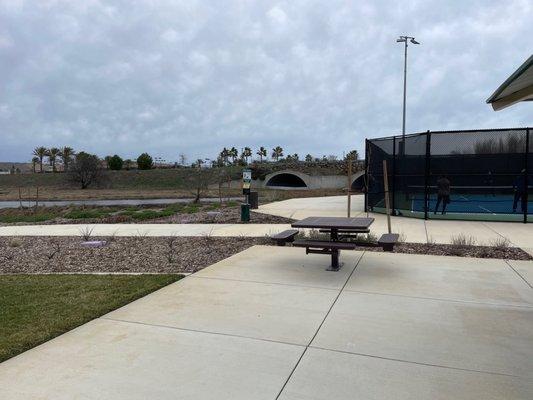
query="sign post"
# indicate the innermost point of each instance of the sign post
(246, 184)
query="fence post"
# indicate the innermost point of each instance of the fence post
(394, 175)
(526, 176)
(366, 175)
(426, 175)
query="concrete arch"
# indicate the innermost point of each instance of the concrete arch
(358, 181)
(287, 179)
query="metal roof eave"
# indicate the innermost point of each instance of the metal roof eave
(523, 94)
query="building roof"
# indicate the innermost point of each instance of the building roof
(518, 87)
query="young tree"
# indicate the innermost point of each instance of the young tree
(34, 162)
(262, 152)
(66, 153)
(182, 158)
(52, 154)
(246, 153)
(309, 158)
(85, 169)
(144, 161)
(352, 155)
(40, 152)
(277, 152)
(115, 163)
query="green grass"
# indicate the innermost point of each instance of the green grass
(37, 308)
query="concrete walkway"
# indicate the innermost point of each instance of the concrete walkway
(271, 323)
(412, 229)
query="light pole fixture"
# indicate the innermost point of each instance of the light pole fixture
(405, 40)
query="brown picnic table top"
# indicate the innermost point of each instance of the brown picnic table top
(333, 223)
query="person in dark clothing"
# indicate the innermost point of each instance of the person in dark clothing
(520, 190)
(443, 194)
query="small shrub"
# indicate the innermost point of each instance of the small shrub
(86, 232)
(368, 238)
(500, 243)
(150, 214)
(191, 208)
(85, 214)
(463, 240)
(12, 218)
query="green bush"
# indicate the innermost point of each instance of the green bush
(147, 214)
(144, 161)
(85, 214)
(10, 218)
(115, 163)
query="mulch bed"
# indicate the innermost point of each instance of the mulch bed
(173, 254)
(121, 254)
(508, 253)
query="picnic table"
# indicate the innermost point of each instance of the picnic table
(339, 228)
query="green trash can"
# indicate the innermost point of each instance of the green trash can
(245, 212)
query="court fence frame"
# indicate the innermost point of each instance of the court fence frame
(486, 156)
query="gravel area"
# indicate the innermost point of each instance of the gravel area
(120, 254)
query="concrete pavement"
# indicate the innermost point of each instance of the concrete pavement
(412, 229)
(271, 323)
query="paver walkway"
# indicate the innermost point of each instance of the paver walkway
(271, 323)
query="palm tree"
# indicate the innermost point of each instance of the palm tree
(233, 153)
(224, 154)
(247, 152)
(262, 152)
(34, 162)
(66, 153)
(40, 153)
(277, 152)
(52, 154)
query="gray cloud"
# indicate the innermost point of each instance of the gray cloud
(173, 77)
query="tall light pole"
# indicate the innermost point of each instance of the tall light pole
(405, 40)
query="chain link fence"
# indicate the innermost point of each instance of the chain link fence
(472, 174)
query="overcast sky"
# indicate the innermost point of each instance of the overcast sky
(171, 77)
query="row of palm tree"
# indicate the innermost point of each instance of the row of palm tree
(246, 153)
(65, 154)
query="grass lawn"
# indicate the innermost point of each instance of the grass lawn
(37, 308)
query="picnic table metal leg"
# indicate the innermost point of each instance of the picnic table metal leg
(334, 252)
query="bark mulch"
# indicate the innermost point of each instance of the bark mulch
(507, 253)
(120, 254)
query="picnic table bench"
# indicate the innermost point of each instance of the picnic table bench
(283, 237)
